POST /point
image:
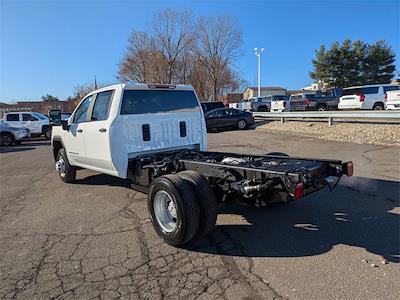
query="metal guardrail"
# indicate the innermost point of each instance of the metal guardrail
(331, 115)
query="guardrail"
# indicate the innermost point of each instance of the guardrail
(331, 115)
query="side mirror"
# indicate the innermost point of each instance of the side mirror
(65, 125)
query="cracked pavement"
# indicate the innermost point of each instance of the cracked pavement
(94, 239)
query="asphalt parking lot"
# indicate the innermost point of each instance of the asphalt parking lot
(94, 238)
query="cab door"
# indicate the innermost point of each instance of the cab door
(32, 123)
(73, 138)
(96, 133)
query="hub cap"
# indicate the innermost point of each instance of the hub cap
(165, 211)
(241, 124)
(5, 140)
(60, 166)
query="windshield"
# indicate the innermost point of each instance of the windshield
(161, 101)
(40, 116)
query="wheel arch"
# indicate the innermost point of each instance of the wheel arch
(57, 145)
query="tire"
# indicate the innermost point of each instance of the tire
(206, 200)
(7, 139)
(241, 124)
(321, 107)
(378, 106)
(47, 133)
(66, 172)
(278, 154)
(173, 209)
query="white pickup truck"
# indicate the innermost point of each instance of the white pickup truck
(155, 135)
(392, 100)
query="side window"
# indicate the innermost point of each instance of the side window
(81, 112)
(391, 88)
(370, 90)
(220, 113)
(12, 117)
(101, 106)
(28, 117)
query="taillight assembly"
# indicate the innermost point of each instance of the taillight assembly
(385, 96)
(307, 101)
(362, 98)
(348, 168)
(298, 191)
(284, 103)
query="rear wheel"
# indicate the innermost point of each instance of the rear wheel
(66, 172)
(7, 139)
(173, 209)
(47, 133)
(241, 124)
(321, 107)
(378, 106)
(206, 200)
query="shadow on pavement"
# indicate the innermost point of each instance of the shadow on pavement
(103, 179)
(11, 149)
(355, 214)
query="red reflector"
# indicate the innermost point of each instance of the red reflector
(362, 98)
(298, 191)
(161, 86)
(349, 169)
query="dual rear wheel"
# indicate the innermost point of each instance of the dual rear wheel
(182, 207)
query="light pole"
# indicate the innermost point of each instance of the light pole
(258, 52)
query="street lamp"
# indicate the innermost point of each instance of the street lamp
(258, 52)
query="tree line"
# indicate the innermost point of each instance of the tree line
(179, 48)
(354, 63)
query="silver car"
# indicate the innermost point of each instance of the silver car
(12, 135)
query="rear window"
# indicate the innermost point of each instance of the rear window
(280, 97)
(370, 90)
(295, 97)
(348, 92)
(162, 101)
(391, 88)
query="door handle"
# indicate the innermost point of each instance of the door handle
(79, 130)
(102, 130)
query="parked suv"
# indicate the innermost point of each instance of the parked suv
(12, 135)
(366, 96)
(264, 103)
(37, 123)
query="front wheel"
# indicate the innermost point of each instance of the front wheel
(7, 139)
(378, 106)
(241, 124)
(66, 172)
(322, 108)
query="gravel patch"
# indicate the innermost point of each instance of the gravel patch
(359, 133)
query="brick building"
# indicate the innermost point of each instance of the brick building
(38, 106)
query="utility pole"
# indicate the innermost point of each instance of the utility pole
(258, 52)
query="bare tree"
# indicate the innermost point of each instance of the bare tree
(218, 45)
(172, 35)
(136, 64)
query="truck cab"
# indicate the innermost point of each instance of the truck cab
(120, 122)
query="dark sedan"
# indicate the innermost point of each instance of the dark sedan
(228, 117)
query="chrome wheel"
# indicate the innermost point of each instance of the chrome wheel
(241, 124)
(60, 166)
(165, 211)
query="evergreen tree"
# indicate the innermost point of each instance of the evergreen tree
(379, 63)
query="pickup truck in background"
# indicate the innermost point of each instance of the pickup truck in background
(320, 101)
(264, 103)
(392, 100)
(155, 136)
(37, 123)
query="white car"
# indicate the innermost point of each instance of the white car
(244, 104)
(365, 97)
(37, 123)
(392, 100)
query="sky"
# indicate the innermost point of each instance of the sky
(49, 47)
